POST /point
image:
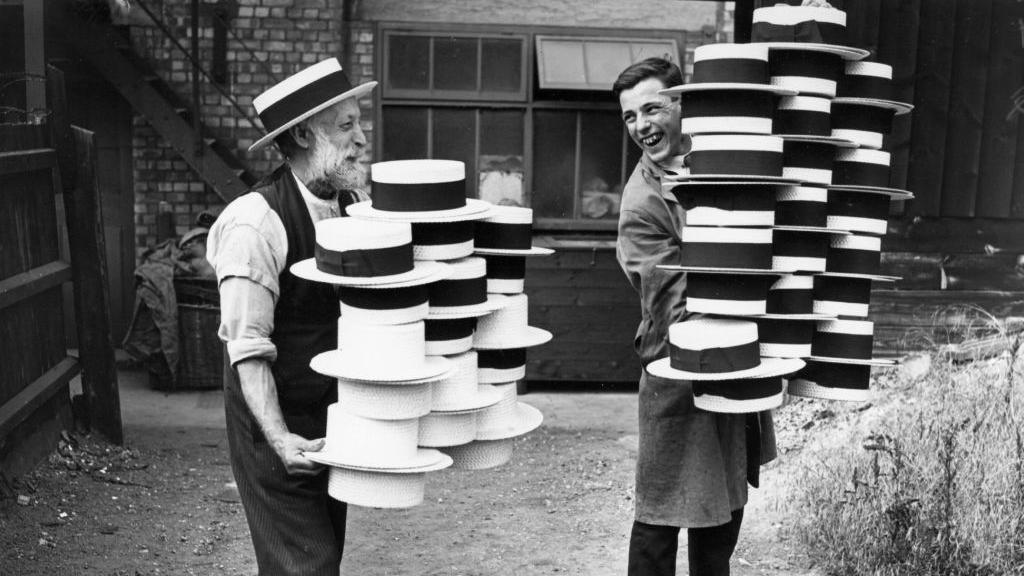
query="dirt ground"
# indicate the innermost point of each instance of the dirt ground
(562, 506)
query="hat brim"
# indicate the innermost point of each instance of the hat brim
(531, 336)
(473, 210)
(898, 107)
(848, 53)
(812, 229)
(426, 460)
(714, 270)
(840, 142)
(493, 302)
(876, 277)
(768, 368)
(854, 361)
(807, 316)
(526, 419)
(533, 251)
(893, 193)
(744, 86)
(752, 178)
(356, 92)
(331, 364)
(423, 272)
(807, 389)
(669, 184)
(723, 405)
(484, 396)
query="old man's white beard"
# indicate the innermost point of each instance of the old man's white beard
(332, 170)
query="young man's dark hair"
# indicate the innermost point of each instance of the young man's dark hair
(660, 68)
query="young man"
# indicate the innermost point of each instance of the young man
(693, 466)
(274, 322)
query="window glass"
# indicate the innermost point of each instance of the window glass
(600, 164)
(554, 163)
(455, 63)
(502, 170)
(409, 62)
(404, 133)
(501, 69)
(454, 138)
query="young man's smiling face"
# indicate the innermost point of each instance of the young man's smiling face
(652, 119)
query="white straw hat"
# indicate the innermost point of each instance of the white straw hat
(480, 454)
(464, 292)
(804, 28)
(870, 83)
(419, 191)
(508, 418)
(502, 365)
(371, 400)
(442, 240)
(355, 252)
(508, 328)
(733, 295)
(845, 341)
(842, 296)
(505, 274)
(739, 396)
(375, 489)
(362, 443)
(507, 230)
(459, 391)
(728, 66)
(384, 305)
(832, 381)
(380, 353)
(449, 336)
(708, 204)
(439, 429)
(717, 349)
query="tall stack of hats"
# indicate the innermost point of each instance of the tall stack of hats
(504, 239)
(736, 167)
(837, 122)
(381, 365)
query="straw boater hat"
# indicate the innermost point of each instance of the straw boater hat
(381, 353)
(864, 125)
(807, 72)
(709, 204)
(869, 83)
(351, 252)
(377, 489)
(371, 400)
(497, 427)
(805, 207)
(800, 251)
(806, 118)
(507, 231)
(449, 336)
(426, 191)
(738, 396)
(353, 441)
(718, 67)
(807, 28)
(736, 157)
(855, 256)
(384, 305)
(302, 95)
(784, 338)
(501, 365)
(808, 161)
(463, 293)
(857, 212)
(505, 274)
(844, 341)
(508, 328)
(840, 296)
(830, 381)
(729, 294)
(725, 249)
(791, 297)
(442, 240)
(860, 170)
(717, 349)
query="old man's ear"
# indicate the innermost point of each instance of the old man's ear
(302, 135)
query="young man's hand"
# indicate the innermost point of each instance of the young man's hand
(289, 448)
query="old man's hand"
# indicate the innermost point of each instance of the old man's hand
(289, 448)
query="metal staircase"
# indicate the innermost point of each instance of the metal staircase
(111, 53)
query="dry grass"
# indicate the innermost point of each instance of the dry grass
(935, 487)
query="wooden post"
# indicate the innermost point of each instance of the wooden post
(76, 154)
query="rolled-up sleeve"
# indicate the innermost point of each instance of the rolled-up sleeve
(247, 248)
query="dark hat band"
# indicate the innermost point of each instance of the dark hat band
(418, 197)
(727, 255)
(829, 375)
(799, 244)
(858, 205)
(808, 155)
(383, 298)
(465, 292)
(501, 359)
(500, 236)
(842, 345)
(304, 99)
(805, 63)
(755, 198)
(727, 287)
(506, 267)
(802, 213)
(864, 86)
(846, 290)
(862, 117)
(802, 122)
(849, 261)
(444, 330)
(772, 331)
(808, 32)
(715, 360)
(745, 389)
(365, 263)
(739, 162)
(431, 234)
(860, 173)
(726, 103)
(790, 301)
(730, 70)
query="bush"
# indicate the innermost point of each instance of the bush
(936, 487)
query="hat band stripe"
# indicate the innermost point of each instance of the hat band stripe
(858, 205)
(828, 375)
(802, 122)
(506, 267)
(419, 197)
(771, 331)
(440, 234)
(366, 262)
(753, 198)
(304, 99)
(790, 302)
(848, 290)
(727, 103)
(748, 389)
(383, 298)
(860, 173)
(862, 117)
(853, 261)
(808, 155)
(801, 213)
(862, 86)
(464, 292)
(727, 287)
(501, 359)
(730, 70)
(715, 360)
(800, 244)
(740, 162)
(441, 330)
(841, 345)
(719, 255)
(807, 64)
(504, 236)
(810, 32)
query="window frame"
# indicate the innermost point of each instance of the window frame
(528, 103)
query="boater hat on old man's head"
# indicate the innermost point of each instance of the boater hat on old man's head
(302, 95)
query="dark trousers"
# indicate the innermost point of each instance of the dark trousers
(652, 549)
(296, 528)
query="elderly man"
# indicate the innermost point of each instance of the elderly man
(274, 322)
(693, 466)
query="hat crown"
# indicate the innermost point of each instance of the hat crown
(845, 326)
(509, 321)
(422, 171)
(510, 215)
(726, 142)
(356, 439)
(793, 282)
(727, 50)
(791, 15)
(342, 234)
(467, 268)
(365, 346)
(802, 194)
(857, 242)
(876, 69)
(295, 82)
(502, 414)
(880, 157)
(806, 103)
(726, 235)
(460, 386)
(705, 333)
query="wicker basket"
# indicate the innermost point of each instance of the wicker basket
(201, 354)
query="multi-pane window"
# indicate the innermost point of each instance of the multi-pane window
(476, 97)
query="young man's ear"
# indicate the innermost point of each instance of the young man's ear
(302, 134)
